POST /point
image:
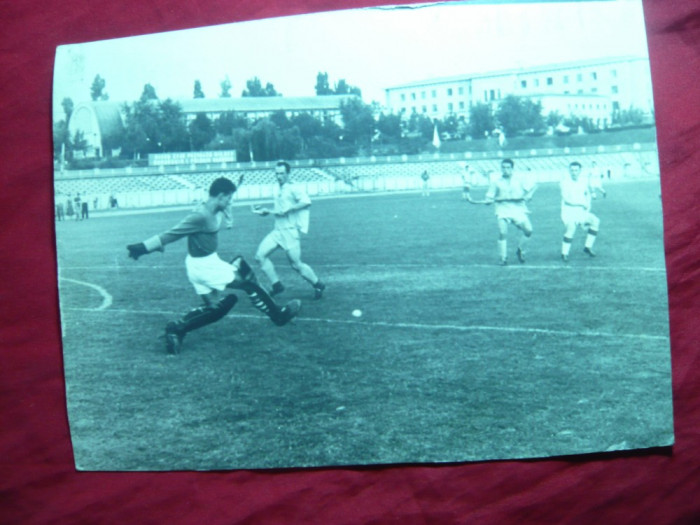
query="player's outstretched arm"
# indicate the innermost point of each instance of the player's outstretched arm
(260, 210)
(138, 249)
(489, 196)
(194, 222)
(301, 205)
(486, 201)
(575, 204)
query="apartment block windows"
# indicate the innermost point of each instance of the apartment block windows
(523, 84)
(449, 92)
(550, 81)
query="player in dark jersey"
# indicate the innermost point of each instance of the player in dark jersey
(207, 272)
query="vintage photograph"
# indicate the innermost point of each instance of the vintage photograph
(426, 233)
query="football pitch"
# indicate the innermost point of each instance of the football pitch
(453, 359)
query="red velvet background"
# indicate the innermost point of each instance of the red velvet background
(37, 481)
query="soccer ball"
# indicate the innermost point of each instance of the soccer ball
(357, 313)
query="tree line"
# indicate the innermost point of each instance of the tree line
(152, 125)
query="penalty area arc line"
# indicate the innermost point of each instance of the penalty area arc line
(106, 297)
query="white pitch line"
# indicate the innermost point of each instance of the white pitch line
(555, 267)
(417, 326)
(106, 297)
(481, 328)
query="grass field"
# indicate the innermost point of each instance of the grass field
(454, 358)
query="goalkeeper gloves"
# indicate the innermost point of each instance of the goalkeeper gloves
(151, 244)
(137, 250)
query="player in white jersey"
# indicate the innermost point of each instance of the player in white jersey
(291, 212)
(576, 211)
(510, 195)
(595, 181)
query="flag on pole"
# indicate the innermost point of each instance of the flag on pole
(436, 138)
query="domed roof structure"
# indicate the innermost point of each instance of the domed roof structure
(100, 123)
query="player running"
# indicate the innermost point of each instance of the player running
(207, 272)
(291, 212)
(510, 195)
(576, 211)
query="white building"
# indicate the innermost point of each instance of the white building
(260, 107)
(593, 88)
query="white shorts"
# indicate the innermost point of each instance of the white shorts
(576, 215)
(287, 239)
(209, 273)
(514, 212)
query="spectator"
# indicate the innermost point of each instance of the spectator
(60, 215)
(69, 207)
(78, 206)
(84, 213)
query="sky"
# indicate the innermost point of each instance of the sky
(372, 48)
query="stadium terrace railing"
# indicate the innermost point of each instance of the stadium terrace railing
(183, 184)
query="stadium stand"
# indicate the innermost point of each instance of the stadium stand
(178, 185)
